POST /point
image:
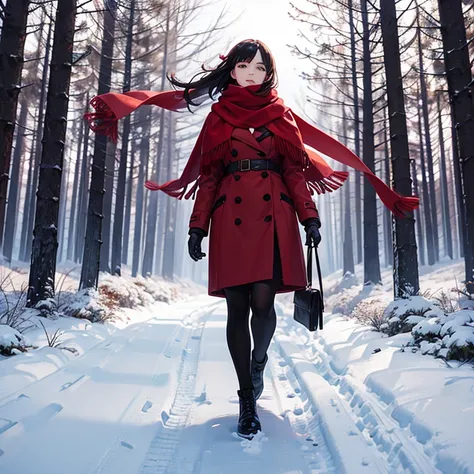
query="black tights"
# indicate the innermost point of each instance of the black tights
(259, 297)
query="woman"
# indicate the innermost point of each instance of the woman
(254, 179)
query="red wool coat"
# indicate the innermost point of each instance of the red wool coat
(243, 209)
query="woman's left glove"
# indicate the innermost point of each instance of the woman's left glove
(311, 227)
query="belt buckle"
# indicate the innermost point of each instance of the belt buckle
(241, 165)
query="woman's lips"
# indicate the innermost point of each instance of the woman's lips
(250, 80)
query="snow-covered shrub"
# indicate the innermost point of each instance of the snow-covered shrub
(87, 304)
(116, 292)
(370, 312)
(448, 335)
(347, 299)
(402, 315)
(342, 303)
(11, 341)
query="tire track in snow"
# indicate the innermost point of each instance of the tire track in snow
(143, 404)
(301, 414)
(133, 413)
(401, 453)
(162, 449)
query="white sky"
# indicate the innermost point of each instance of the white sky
(268, 21)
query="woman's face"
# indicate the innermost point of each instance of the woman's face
(250, 73)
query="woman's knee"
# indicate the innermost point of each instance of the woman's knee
(262, 310)
(238, 301)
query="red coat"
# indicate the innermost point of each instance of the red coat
(244, 208)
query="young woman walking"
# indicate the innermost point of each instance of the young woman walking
(253, 180)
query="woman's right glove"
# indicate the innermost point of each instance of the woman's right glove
(194, 243)
(311, 227)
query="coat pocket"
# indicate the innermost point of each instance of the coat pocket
(218, 203)
(287, 199)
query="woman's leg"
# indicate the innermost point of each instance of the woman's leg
(238, 334)
(264, 318)
(262, 297)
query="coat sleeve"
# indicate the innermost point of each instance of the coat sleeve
(206, 194)
(295, 182)
(205, 197)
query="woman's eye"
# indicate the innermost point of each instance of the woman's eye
(241, 66)
(261, 68)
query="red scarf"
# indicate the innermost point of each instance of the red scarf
(240, 107)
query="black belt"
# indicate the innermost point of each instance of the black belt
(252, 165)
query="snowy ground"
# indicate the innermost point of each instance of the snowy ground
(158, 395)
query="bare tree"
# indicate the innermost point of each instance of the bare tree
(91, 256)
(13, 192)
(12, 45)
(45, 243)
(458, 72)
(405, 268)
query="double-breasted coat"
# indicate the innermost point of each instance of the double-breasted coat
(245, 210)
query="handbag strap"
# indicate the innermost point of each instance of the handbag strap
(309, 268)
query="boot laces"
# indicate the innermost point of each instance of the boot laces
(247, 407)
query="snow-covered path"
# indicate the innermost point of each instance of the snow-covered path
(160, 397)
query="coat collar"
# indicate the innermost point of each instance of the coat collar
(244, 135)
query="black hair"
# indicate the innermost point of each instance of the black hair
(215, 80)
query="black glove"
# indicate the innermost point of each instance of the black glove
(194, 243)
(311, 227)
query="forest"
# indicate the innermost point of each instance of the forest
(391, 80)
(113, 356)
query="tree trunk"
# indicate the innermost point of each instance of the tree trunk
(371, 241)
(355, 93)
(110, 154)
(29, 189)
(148, 255)
(425, 200)
(347, 244)
(405, 268)
(160, 233)
(12, 46)
(38, 145)
(91, 256)
(45, 244)
(461, 214)
(418, 216)
(170, 225)
(145, 118)
(128, 204)
(73, 213)
(446, 215)
(387, 215)
(62, 205)
(429, 152)
(120, 196)
(458, 72)
(82, 204)
(14, 190)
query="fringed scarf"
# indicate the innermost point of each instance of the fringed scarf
(240, 107)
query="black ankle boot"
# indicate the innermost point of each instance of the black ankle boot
(249, 424)
(256, 371)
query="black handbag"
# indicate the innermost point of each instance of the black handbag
(309, 303)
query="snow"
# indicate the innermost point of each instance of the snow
(151, 388)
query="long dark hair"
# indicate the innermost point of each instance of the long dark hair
(215, 80)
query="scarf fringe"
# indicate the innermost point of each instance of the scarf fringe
(331, 183)
(192, 191)
(400, 205)
(103, 121)
(171, 189)
(404, 205)
(215, 154)
(296, 154)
